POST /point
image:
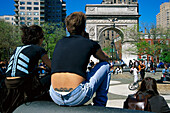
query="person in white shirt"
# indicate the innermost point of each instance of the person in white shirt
(135, 73)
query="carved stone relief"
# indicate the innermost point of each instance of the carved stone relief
(92, 31)
(131, 9)
(109, 22)
(91, 9)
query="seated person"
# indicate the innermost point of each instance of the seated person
(70, 84)
(22, 68)
(153, 70)
(118, 70)
(148, 88)
(165, 71)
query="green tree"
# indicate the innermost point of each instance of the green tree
(52, 33)
(9, 39)
(140, 46)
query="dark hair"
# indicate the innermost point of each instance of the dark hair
(32, 34)
(75, 23)
(148, 85)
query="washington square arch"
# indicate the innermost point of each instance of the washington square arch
(105, 22)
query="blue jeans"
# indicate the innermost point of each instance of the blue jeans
(98, 80)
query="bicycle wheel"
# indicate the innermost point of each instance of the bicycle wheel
(133, 86)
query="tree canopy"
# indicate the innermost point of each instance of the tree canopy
(9, 39)
(52, 33)
(154, 42)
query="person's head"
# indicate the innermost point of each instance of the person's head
(140, 62)
(149, 85)
(75, 23)
(32, 35)
(166, 66)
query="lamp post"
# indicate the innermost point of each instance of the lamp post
(112, 20)
(112, 43)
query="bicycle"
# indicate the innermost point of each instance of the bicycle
(134, 85)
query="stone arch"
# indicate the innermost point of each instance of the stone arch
(111, 15)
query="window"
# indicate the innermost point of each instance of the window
(29, 18)
(149, 42)
(28, 23)
(29, 13)
(29, 3)
(29, 8)
(36, 3)
(22, 23)
(35, 23)
(114, 1)
(22, 13)
(129, 1)
(133, 0)
(112, 33)
(7, 18)
(36, 8)
(22, 18)
(108, 34)
(22, 8)
(36, 13)
(36, 18)
(22, 3)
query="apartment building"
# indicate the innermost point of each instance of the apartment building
(163, 17)
(8, 18)
(37, 12)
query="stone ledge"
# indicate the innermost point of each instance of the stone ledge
(51, 107)
(164, 88)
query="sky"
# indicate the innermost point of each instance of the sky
(148, 9)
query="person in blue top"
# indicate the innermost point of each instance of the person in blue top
(71, 85)
(165, 71)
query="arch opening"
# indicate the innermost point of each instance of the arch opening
(110, 40)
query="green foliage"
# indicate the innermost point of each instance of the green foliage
(165, 56)
(52, 33)
(158, 36)
(9, 39)
(106, 50)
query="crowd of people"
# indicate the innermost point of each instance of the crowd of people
(140, 67)
(69, 83)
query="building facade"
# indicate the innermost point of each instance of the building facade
(150, 40)
(8, 18)
(37, 12)
(163, 17)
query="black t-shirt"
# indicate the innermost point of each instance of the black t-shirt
(72, 55)
(24, 60)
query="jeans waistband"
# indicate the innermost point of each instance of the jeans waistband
(75, 91)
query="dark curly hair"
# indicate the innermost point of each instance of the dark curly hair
(75, 23)
(32, 34)
(149, 85)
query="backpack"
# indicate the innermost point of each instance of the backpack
(138, 102)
